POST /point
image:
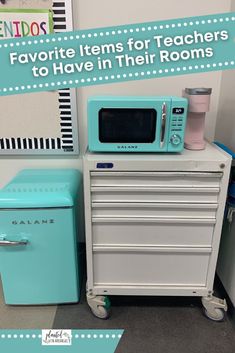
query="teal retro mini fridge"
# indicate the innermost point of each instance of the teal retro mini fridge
(39, 261)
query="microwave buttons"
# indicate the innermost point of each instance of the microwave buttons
(175, 140)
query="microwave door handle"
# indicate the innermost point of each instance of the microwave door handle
(163, 124)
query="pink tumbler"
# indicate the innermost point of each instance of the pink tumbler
(199, 103)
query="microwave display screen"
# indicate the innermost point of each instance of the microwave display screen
(127, 125)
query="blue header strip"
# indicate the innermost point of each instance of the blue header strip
(115, 54)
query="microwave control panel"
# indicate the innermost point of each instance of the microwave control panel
(177, 128)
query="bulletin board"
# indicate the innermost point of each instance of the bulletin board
(44, 122)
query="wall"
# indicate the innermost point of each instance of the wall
(10, 165)
(225, 126)
(42, 105)
(91, 14)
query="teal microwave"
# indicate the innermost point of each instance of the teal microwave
(136, 124)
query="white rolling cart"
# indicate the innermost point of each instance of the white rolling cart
(153, 225)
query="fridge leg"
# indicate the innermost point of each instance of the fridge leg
(99, 305)
(214, 308)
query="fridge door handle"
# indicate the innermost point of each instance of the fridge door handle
(4, 242)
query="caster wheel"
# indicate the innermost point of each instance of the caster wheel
(218, 314)
(101, 312)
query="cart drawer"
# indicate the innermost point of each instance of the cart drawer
(102, 209)
(155, 179)
(181, 232)
(154, 194)
(167, 267)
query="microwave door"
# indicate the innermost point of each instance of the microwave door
(163, 125)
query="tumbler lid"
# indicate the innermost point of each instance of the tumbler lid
(198, 91)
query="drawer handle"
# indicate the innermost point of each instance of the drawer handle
(158, 174)
(156, 249)
(5, 242)
(156, 220)
(157, 205)
(213, 190)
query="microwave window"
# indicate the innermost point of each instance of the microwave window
(127, 125)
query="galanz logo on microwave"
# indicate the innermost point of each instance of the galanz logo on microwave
(33, 222)
(129, 147)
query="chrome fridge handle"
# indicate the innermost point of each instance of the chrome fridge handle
(163, 124)
(4, 242)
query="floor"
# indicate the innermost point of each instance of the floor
(25, 317)
(151, 324)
